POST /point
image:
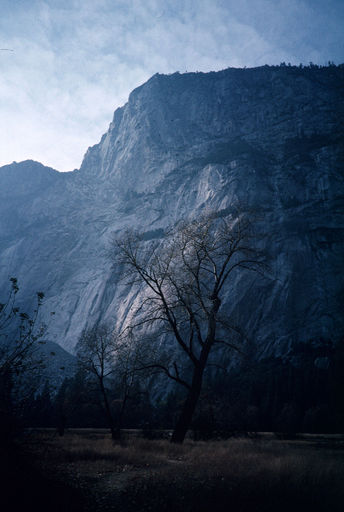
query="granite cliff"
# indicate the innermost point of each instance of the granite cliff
(269, 139)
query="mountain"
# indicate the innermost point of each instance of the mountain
(267, 139)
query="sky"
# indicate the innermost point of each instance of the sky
(75, 61)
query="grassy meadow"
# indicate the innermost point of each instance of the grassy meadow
(85, 471)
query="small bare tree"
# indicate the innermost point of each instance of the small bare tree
(19, 354)
(95, 353)
(184, 279)
(112, 359)
(18, 332)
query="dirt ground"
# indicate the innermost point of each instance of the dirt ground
(85, 471)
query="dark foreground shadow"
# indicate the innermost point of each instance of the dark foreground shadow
(24, 488)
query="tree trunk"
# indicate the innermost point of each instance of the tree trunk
(185, 418)
(114, 432)
(120, 416)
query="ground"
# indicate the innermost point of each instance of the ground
(85, 471)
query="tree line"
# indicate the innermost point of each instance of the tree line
(274, 395)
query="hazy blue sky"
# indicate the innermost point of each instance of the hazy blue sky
(75, 61)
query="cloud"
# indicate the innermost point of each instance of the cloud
(76, 61)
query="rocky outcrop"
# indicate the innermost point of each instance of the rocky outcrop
(268, 139)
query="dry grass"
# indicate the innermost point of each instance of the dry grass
(238, 474)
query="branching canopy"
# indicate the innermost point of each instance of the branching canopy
(19, 333)
(184, 278)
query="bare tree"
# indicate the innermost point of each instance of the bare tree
(18, 332)
(19, 355)
(129, 373)
(95, 353)
(112, 359)
(184, 279)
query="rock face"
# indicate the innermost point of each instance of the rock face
(268, 139)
